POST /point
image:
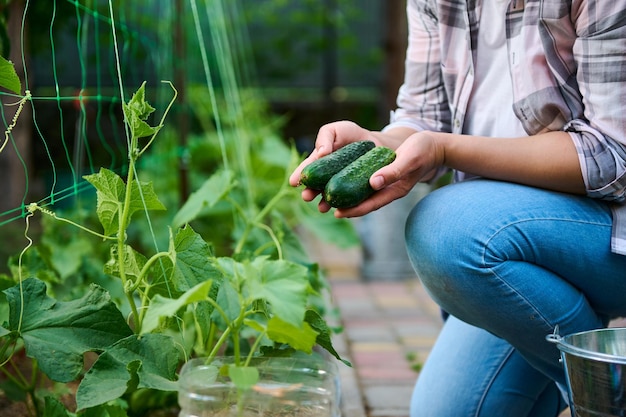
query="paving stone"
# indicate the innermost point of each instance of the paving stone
(419, 341)
(370, 334)
(416, 331)
(389, 328)
(349, 290)
(387, 347)
(396, 302)
(359, 307)
(388, 400)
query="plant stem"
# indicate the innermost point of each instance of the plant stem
(254, 347)
(219, 344)
(270, 205)
(33, 206)
(273, 237)
(258, 220)
(146, 267)
(124, 214)
(121, 235)
(18, 380)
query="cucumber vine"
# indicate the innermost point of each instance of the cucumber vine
(183, 302)
(113, 210)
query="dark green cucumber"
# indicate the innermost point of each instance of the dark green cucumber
(351, 185)
(319, 172)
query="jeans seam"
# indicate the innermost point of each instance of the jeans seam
(510, 352)
(514, 290)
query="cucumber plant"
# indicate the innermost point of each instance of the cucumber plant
(179, 302)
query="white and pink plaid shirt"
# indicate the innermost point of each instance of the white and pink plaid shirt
(567, 60)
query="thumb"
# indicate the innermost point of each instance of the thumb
(389, 174)
(377, 181)
(384, 176)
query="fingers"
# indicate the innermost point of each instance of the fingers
(375, 201)
(325, 141)
(333, 136)
(294, 178)
(309, 195)
(415, 162)
(401, 166)
(324, 144)
(330, 137)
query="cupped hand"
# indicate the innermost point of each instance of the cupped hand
(417, 160)
(330, 137)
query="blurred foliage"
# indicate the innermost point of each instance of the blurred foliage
(292, 38)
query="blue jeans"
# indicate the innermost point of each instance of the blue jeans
(509, 263)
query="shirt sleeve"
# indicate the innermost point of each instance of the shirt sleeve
(602, 160)
(600, 137)
(421, 101)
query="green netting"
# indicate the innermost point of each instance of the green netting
(80, 59)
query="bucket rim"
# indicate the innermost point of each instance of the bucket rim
(567, 347)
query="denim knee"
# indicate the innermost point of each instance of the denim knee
(442, 243)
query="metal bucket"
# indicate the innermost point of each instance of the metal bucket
(595, 364)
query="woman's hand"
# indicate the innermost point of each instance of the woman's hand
(330, 137)
(393, 181)
(417, 160)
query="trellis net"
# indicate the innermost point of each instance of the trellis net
(79, 60)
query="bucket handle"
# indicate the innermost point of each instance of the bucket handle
(554, 337)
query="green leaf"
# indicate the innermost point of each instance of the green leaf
(149, 361)
(299, 337)
(137, 111)
(133, 262)
(57, 333)
(193, 260)
(213, 190)
(111, 409)
(244, 377)
(55, 408)
(339, 232)
(32, 264)
(228, 300)
(283, 284)
(141, 129)
(143, 197)
(111, 193)
(324, 336)
(138, 106)
(8, 77)
(256, 325)
(66, 259)
(161, 307)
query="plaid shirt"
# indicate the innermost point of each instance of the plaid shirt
(567, 60)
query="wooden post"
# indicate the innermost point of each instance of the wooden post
(395, 44)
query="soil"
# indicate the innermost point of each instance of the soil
(12, 409)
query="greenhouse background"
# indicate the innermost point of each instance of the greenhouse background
(311, 62)
(146, 215)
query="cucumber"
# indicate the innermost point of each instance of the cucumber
(350, 186)
(319, 172)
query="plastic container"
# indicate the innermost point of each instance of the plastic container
(296, 387)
